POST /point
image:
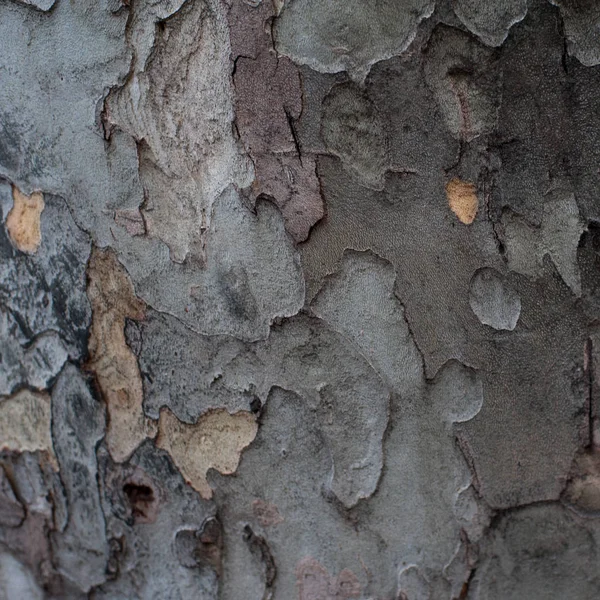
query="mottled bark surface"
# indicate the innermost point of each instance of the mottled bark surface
(300, 299)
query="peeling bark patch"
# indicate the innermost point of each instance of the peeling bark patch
(581, 20)
(173, 557)
(354, 131)
(25, 424)
(540, 551)
(465, 79)
(178, 100)
(494, 300)
(23, 221)
(490, 21)
(268, 101)
(301, 355)
(462, 199)
(12, 511)
(115, 366)
(201, 547)
(347, 35)
(34, 367)
(558, 238)
(251, 274)
(315, 583)
(214, 442)
(44, 312)
(80, 549)
(44, 5)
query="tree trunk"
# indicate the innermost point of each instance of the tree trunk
(299, 299)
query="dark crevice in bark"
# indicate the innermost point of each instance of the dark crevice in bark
(260, 549)
(292, 125)
(589, 382)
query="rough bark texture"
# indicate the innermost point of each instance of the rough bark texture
(300, 299)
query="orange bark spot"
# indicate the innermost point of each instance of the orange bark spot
(462, 199)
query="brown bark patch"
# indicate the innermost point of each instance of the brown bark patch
(12, 512)
(583, 489)
(214, 442)
(23, 221)
(462, 199)
(201, 547)
(115, 366)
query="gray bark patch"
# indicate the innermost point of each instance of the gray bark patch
(494, 300)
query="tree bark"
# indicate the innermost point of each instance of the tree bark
(299, 299)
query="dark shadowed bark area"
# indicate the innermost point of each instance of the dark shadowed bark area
(300, 299)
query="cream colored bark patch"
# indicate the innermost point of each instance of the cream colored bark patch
(113, 299)
(23, 221)
(25, 424)
(214, 442)
(462, 199)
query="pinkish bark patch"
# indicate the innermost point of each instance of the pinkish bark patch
(132, 220)
(315, 583)
(268, 100)
(266, 514)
